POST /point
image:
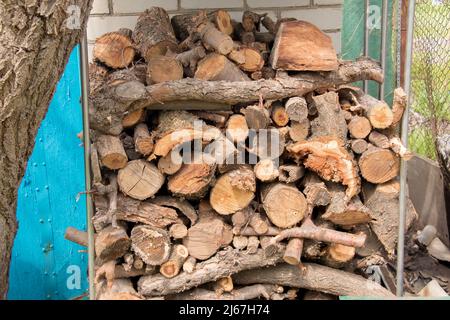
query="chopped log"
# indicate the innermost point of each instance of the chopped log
(130, 96)
(309, 230)
(223, 264)
(189, 59)
(291, 173)
(128, 259)
(128, 145)
(212, 37)
(140, 179)
(172, 267)
(237, 56)
(133, 118)
(224, 284)
(233, 191)
(192, 181)
(97, 76)
(245, 37)
(95, 165)
(315, 190)
(218, 118)
(143, 141)
(183, 25)
(189, 264)
(138, 263)
(170, 163)
(257, 75)
(399, 149)
(120, 289)
(269, 24)
(383, 201)
(268, 143)
(297, 109)
(111, 243)
(248, 232)
(285, 205)
(266, 170)
(359, 127)
(76, 236)
(111, 152)
(398, 106)
(178, 231)
(241, 219)
(315, 295)
(315, 277)
(153, 34)
(299, 131)
(240, 242)
(136, 72)
(182, 205)
(313, 250)
(338, 255)
(268, 73)
(359, 145)
(330, 160)
(293, 252)
(206, 237)
(379, 165)
(331, 119)
(258, 223)
(114, 49)
(164, 68)
(378, 112)
(257, 117)
(251, 20)
(151, 244)
(300, 46)
(237, 128)
(216, 67)
(264, 37)
(222, 20)
(279, 115)
(379, 140)
(252, 245)
(245, 293)
(248, 59)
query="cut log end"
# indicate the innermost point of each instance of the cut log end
(114, 49)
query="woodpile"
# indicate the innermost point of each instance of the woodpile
(230, 163)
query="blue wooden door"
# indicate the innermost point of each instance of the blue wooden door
(45, 265)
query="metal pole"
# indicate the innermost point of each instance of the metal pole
(403, 164)
(383, 43)
(366, 37)
(87, 163)
(399, 43)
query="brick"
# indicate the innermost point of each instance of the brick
(136, 6)
(98, 26)
(204, 4)
(324, 18)
(277, 3)
(327, 2)
(100, 7)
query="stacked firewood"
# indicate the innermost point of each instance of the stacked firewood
(219, 149)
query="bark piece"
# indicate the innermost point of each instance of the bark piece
(291, 173)
(285, 205)
(172, 267)
(297, 109)
(328, 158)
(379, 165)
(237, 128)
(300, 46)
(233, 191)
(140, 179)
(164, 68)
(153, 34)
(151, 244)
(315, 277)
(223, 264)
(359, 127)
(111, 152)
(331, 120)
(114, 49)
(266, 170)
(192, 181)
(215, 67)
(111, 243)
(143, 141)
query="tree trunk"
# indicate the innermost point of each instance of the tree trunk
(31, 33)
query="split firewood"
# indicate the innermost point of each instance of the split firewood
(189, 264)
(245, 293)
(133, 118)
(237, 128)
(111, 243)
(233, 191)
(143, 141)
(153, 34)
(300, 46)
(279, 115)
(170, 163)
(293, 252)
(237, 56)
(151, 244)
(223, 264)
(297, 109)
(315, 277)
(164, 68)
(76, 236)
(379, 165)
(330, 160)
(290, 173)
(315, 190)
(299, 131)
(383, 201)
(182, 205)
(399, 105)
(172, 267)
(216, 67)
(266, 170)
(359, 127)
(114, 49)
(140, 179)
(111, 152)
(338, 255)
(178, 231)
(359, 145)
(257, 117)
(192, 181)
(284, 204)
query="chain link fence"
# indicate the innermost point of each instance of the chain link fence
(430, 75)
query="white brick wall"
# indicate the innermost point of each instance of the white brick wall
(110, 15)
